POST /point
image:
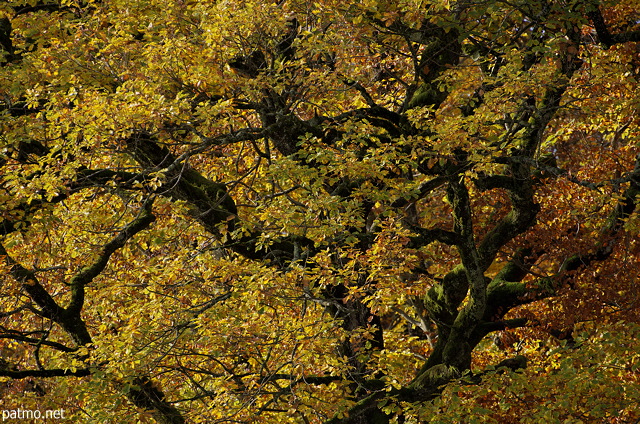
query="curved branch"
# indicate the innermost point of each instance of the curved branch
(30, 340)
(605, 36)
(615, 223)
(49, 308)
(88, 273)
(59, 372)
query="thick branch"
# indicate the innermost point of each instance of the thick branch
(210, 203)
(506, 291)
(147, 396)
(427, 236)
(49, 308)
(84, 372)
(623, 210)
(521, 217)
(6, 43)
(30, 284)
(85, 178)
(605, 36)
(21, 338)
(88, 273)
(457, 352)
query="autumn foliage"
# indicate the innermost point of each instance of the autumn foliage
(320, 212)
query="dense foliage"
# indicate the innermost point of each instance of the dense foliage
(320, 212)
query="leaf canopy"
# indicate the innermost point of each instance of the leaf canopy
(320, 212)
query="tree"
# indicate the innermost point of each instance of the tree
(330, 212)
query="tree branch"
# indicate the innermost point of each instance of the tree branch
(30, 284)
(88, 273)
(83, 372)
(605, 36)
(21, 338)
